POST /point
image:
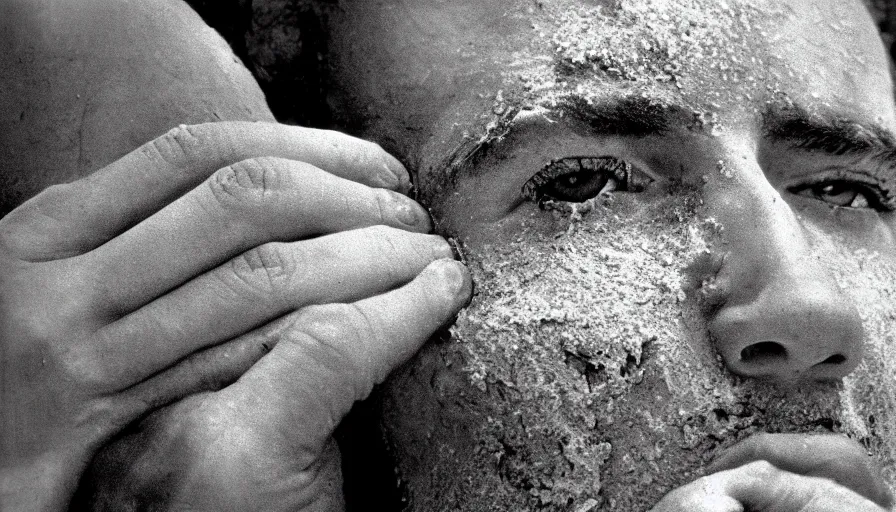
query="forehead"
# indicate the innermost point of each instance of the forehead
(435, 72)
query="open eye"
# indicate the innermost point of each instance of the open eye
(847, 194)
(577, 179)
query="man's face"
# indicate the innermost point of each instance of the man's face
(679, 220)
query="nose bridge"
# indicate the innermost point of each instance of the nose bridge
(783, 315)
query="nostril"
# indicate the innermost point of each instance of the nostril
(834, 359)
(763, 352)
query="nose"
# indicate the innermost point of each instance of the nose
(782, 315)
(795, 328)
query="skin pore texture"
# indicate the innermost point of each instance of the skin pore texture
(608, 354)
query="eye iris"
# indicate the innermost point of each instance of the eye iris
(847, 194)
(839, 194)
(578, 179)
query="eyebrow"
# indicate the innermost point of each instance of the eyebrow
(638, 116)
(623, 116)
(838, 136)
(626, 116)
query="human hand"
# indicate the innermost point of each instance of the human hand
(786, 473)
(113, 287)
(265, 442)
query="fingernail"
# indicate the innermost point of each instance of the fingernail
(407, 213)
(454, 276)
(440, 248)
(388, 179)
(396, 168)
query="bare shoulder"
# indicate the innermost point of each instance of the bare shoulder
(89, 81)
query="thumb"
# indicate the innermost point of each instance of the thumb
(333, 355)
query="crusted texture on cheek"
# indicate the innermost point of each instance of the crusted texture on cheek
(542, 362)
(869, 395)
(581, 377)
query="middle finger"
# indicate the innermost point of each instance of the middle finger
(241, 206)
(256, 287)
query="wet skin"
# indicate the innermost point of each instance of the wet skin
(770, 208)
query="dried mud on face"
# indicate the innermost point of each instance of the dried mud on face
(581, 377)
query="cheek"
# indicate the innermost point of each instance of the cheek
(582, 369)
(594, 293)
(570, 346)
(868, 278)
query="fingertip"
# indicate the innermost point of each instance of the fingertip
(743, 452)
(723, 462)
(398, 170)
(409, 213)
(455, 278)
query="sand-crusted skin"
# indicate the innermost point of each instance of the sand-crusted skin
(563, 388)
(448, 457)
(429, 386)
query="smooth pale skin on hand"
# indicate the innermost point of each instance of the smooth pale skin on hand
(611, 348)
(178, 264)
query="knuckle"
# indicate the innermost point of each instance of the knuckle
(336, 325)
(341, 335)
(53, 334)
(245, 183)
(179, 144)
(266, 269)
(763, 470)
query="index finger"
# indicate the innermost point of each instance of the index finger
(71, 219)
(762, 486)
(834, 457)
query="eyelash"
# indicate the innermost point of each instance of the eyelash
(612, 174)
(877, 198)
